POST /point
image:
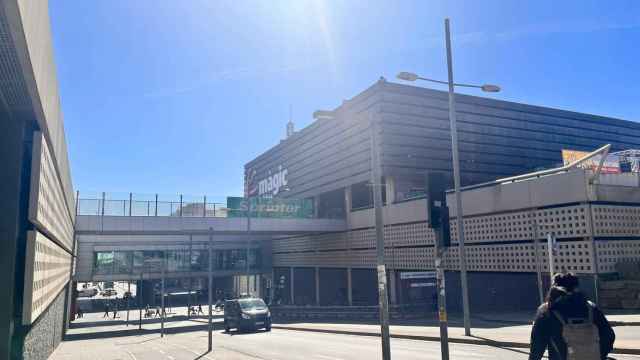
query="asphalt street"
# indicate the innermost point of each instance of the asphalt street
(188, 340)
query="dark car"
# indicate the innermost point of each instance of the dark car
(246, 314)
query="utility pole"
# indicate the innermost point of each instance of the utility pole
(536, 244)
(139, 295)
(438, 220)
(456, 182)
(551, 243)
(210, 344)
(162, 297)
(248, 241)
(128, 296)
(442, 300)
(383, 300)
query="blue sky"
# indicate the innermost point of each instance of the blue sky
(175, 96)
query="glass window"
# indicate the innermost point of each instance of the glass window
(252, 304)
(153, 261)
(123, 262)
(103, 262)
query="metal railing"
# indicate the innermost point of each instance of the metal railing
(130, 204)
(104, 204)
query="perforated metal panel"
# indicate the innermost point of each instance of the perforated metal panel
(47, 271)
(614, 221)
(410, 246)
(610, 252)
(47, 207)
(563, 222)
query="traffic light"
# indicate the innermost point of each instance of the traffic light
(434, 188)
(437, 210)
(443, 234)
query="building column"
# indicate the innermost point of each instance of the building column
(317, 286)
(291, 287)
(316, 207)
(347, 205)
(390, 188)
(349, 288)
(392, 287)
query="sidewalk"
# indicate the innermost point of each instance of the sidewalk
(507, 330)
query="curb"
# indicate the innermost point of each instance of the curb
(456, 340)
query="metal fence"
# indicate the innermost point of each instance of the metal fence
(108, 204)
(130, 204)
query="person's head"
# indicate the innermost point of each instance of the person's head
(555, 292)
(567, 281)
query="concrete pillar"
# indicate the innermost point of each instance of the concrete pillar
(316, 207)
(291, 285)
(347, 205)
(392, 287)
(317, 286)
(349, 288)
(390, 188)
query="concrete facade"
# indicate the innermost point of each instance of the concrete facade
(37, 208)
(329, 161)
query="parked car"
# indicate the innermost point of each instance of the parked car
(88, 292)
(246, 314)
(109, 292)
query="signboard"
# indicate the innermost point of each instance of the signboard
(422, 284)
(418, 275)
(271, 185)
(611, 164)
(270, 208)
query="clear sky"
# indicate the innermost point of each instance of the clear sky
(176, 96)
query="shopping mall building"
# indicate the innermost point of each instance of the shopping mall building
(308, 236)
(329, 163)
(309, 239)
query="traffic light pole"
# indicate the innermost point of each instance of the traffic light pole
(442, 298)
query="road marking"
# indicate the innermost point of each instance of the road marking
(327, 357)
(130, 354)
(193, 352)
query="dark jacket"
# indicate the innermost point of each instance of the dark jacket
(547, 330)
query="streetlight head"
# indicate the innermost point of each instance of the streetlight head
(490, 88)
(407, 76)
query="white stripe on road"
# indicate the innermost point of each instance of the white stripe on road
(130, 354)
(191, 351)
(327, 357)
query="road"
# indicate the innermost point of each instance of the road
(114, 341)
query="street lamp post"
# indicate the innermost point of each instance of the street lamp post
(407, 76)
(376, 176)
(383, 300)
(210, 292)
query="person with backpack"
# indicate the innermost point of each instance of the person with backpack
(570, 326)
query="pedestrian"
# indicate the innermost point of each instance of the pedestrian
(570, 326)
(106, 311)
(115, 312)
(79, 313)
(157, 311)
(200, 309)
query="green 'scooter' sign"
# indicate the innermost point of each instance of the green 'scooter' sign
(270, 208)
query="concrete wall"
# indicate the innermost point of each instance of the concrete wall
(46, 333)
(181, 225)
(30, 104)
(398, 213)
